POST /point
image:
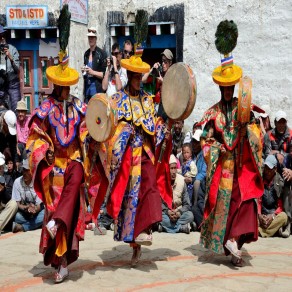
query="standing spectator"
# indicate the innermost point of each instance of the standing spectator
(178, 218)
(189, 169)
(30, 214)
(158, 72)
(8, 143)
(272, 218)
(94, 67)
(8, 207)
(278, 140)
(11, 67)
(22, 129)
(128, 49)
(115, 77)
(200, 181)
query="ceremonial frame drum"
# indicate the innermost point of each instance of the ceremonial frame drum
(101, 117)
(179, 91)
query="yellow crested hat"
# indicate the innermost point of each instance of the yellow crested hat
(62, 74)
(228, 73)
(135, 64)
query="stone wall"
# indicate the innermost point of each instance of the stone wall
(264, 46)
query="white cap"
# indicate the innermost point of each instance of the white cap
(25, 164)
(2, 159)
(197, 134)
(267, 110)
(10, 119)
(92, 32)
(172, 159)
(280, 115)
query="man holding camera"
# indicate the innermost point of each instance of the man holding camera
(9, 69)
(157, 72)
(94, 67)
(115, 77)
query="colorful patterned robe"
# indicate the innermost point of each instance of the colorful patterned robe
(63, 131)
(221, 156)
(134, 134)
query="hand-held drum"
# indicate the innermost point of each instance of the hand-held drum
(101, 117)
(179, 91)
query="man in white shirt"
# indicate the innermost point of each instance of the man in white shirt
(115, 77)
(30, 214)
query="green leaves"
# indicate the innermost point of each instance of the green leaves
(226, 37)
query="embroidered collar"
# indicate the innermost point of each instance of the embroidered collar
(64, 120)
(228, 129)
(137, 109)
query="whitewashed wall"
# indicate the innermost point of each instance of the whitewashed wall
(264, 48)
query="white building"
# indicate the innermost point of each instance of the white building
(264, 47)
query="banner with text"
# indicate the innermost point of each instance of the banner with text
(26, 16)
(78, 9)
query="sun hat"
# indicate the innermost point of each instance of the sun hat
(135, 64)
(10, 119)
(168, 54)
(92, 32)
(21, 106)
(62, 74)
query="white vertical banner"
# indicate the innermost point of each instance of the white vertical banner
(78, 9)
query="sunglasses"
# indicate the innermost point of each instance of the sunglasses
(92, 30)
(128, 52)
(115, 53)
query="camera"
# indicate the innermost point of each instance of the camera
(84, 73)
(3, 46)
(157, 71)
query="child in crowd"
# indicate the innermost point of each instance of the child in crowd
(189, 169)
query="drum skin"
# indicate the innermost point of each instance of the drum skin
(179, 91)
(101, 118)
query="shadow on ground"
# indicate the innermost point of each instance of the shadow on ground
(116, 258)
(206, 256)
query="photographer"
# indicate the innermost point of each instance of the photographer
(115, 77)
(30, 214)
(9, 68)
(157, 73)
(94, 67)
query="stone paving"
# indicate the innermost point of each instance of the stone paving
(173, 263)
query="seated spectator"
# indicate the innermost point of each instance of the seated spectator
(178, 136)
(200, 181)
(272, 219)
(115, 77)
(278, 140)
(22, 129)
(178, 218)
(8, 207)
(30, 214)
(189, 169)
